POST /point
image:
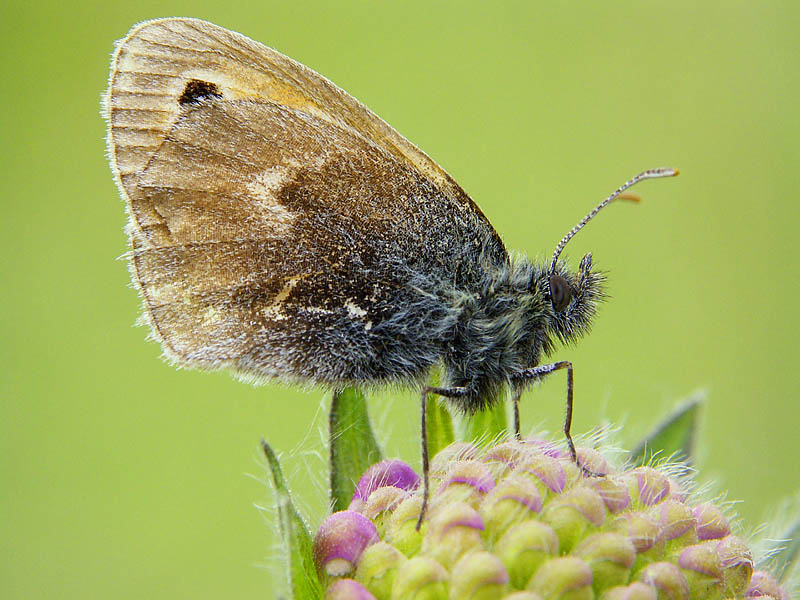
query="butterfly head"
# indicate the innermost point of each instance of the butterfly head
(573, 298)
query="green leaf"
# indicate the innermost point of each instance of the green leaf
(299, 546)
(440, 425)
(674, 436)
(352, 444)
(488, 424)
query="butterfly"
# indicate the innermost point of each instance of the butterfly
(279, 229)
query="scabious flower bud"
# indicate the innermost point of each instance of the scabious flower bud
(347, 589)
(507, 503)
(640, 528)
(523, 596)
(675, 520)
(380, 505)
(520, 521)
(402, 527)
(457, 451)
(547, 472)
(421, 578)
(593, 461)
(524, 548)
(667, 579)
(378, 567)
(614, 493)
(478, 576)
(393, 473)
(764, 584)
(633, 591)
(454, 530)
(702, 567)
(647, 486)
(564, 578)
(737, 562)
(340, 541)
(466, 481)
(573, 513)
(610, 556)
(711, 523)
(502, 458)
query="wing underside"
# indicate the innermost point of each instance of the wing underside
(275, 222)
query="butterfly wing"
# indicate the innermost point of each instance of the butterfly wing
(277, 226)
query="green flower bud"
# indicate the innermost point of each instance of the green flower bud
(565, 578)
(676, 522)
(502, 458)
(647, 486)
(702, 567)
(524, 548)
(478, 576)
(592, 460)
(737, 562)
(401, 529)
(614, 493)
(667, 579)
(378, 567)
(420, 578)
(465, 481)
(640, 528)
(633, 591)
(454, 530)
(574, 512)
(457, 451)
(610, 557)
(546, 472)
(380, 505)
(511, 501)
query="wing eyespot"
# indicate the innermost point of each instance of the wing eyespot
(196, 91)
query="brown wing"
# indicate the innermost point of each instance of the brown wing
(268, 208)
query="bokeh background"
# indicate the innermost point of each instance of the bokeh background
(125, 478)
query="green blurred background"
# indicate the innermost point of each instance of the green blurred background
(123, 477)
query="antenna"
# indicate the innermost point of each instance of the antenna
(649, 174)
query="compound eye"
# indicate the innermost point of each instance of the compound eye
(560, 293)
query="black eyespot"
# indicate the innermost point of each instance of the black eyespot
(560, 293)
(197, 90)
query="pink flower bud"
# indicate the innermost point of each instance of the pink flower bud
(711, 523)
(340, 541)
(348, 589)
(387, 472)
(648, 486)
(764, 584)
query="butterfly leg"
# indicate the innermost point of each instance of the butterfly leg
(516, 394)
(540, 372)
(454, 392)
